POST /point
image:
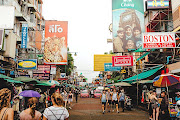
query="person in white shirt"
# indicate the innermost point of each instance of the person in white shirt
(57, 111)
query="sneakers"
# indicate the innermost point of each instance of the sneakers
(103, 112)
(70, 108)
(117, 111)
(112, 110)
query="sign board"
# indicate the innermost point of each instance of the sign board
(128, 24)
(159, 40)
(123, 71)
(157, 4)
(55, 46)
(27, 64)
(99, 61)
(24, 36)
(7, 17)
(43, 69)
(1, 38)
(53, 69)
(122, 61)
(63, 75)
(109, 67)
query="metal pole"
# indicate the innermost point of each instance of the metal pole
(137, 88)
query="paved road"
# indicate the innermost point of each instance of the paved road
(90, 109)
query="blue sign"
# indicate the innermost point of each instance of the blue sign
(27, 64)
(109, 67)
(24, 35)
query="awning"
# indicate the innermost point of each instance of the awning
(19, 16)
(143, 75)
(144, 55)
(143, 81)
(122, 84)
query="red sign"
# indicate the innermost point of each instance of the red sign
(159, 40)
(122, 61)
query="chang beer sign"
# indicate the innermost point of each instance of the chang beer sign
(128, 24)
(27, 64)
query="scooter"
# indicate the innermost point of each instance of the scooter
(128, 103)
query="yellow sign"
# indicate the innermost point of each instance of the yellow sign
(123, 71)
(27, 64)
(99, 61)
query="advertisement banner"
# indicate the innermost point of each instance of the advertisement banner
(43, 69)
(109, 67)
(1, 38)
(24, 35)
(99, 61)
(53, 69)
(157, 4)
(122, 61)
(27, 64)
(128, 24)
(55, 47)
(159, 40)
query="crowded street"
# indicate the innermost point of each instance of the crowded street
(90, 60)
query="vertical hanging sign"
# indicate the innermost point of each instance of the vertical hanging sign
(24, 35)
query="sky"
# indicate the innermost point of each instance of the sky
(88, 29)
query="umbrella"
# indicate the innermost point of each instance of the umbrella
(166, 80)
(106, 88)
(122, 84)
(29, 93)
(54, 82)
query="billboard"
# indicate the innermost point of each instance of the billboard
(7, 17)
(99, 61)
(157, 4)
(122, 61)
(42, 72)
(27, 64)
(1, 38)
(55, 47)
(128, 24)
(159, 40)
(109, 67)
(24, 36)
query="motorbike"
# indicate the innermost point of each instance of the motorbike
(128, 104)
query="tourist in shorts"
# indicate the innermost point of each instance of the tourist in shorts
(70, 99)
(115, 100)
(103, 100)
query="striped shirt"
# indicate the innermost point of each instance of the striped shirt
(54, 113)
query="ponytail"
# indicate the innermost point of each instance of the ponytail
(57, 99)
(32, 104)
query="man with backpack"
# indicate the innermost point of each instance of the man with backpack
(122, 99)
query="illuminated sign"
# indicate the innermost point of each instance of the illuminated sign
(157, 4)
(27, 64)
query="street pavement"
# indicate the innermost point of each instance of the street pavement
(90, 109)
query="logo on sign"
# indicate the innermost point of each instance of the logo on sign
(55, 29)
(127, 3)
(27, 64)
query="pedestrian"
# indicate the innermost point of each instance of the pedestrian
(150, 105)
(6, 113)
(57, 111)
(65, 95)
(109, 99)
(76, 95)
(155, 106)
(103, 99)
(31, 113)
(177, 97)
(122, 99)
(70, 99)
(115, 100)
(42, 100)
(164, 113)
(16, 104)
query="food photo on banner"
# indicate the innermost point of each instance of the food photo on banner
(128, 24)
(55, 48)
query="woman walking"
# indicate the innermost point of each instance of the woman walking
(31, 113)
(65, 96)
(6, 113)
(70, 99)
(155, 106)
(57, 111)
(103, 100)
(115, 100)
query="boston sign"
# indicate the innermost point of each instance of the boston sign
(122, 61)
(159, 40)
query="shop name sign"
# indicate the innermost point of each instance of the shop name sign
(55, 29)
(127, 3)
(122, 61)
(159, 40)
(27, 64)
(157, 4)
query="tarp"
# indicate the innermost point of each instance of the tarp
(122, 84)
(26, 79)
(142, 75)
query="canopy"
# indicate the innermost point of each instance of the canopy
(122, 84)
(144, 81)
(26, 79)
(143, 75)
(45, 84)
(5, 77)
(13, 81)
